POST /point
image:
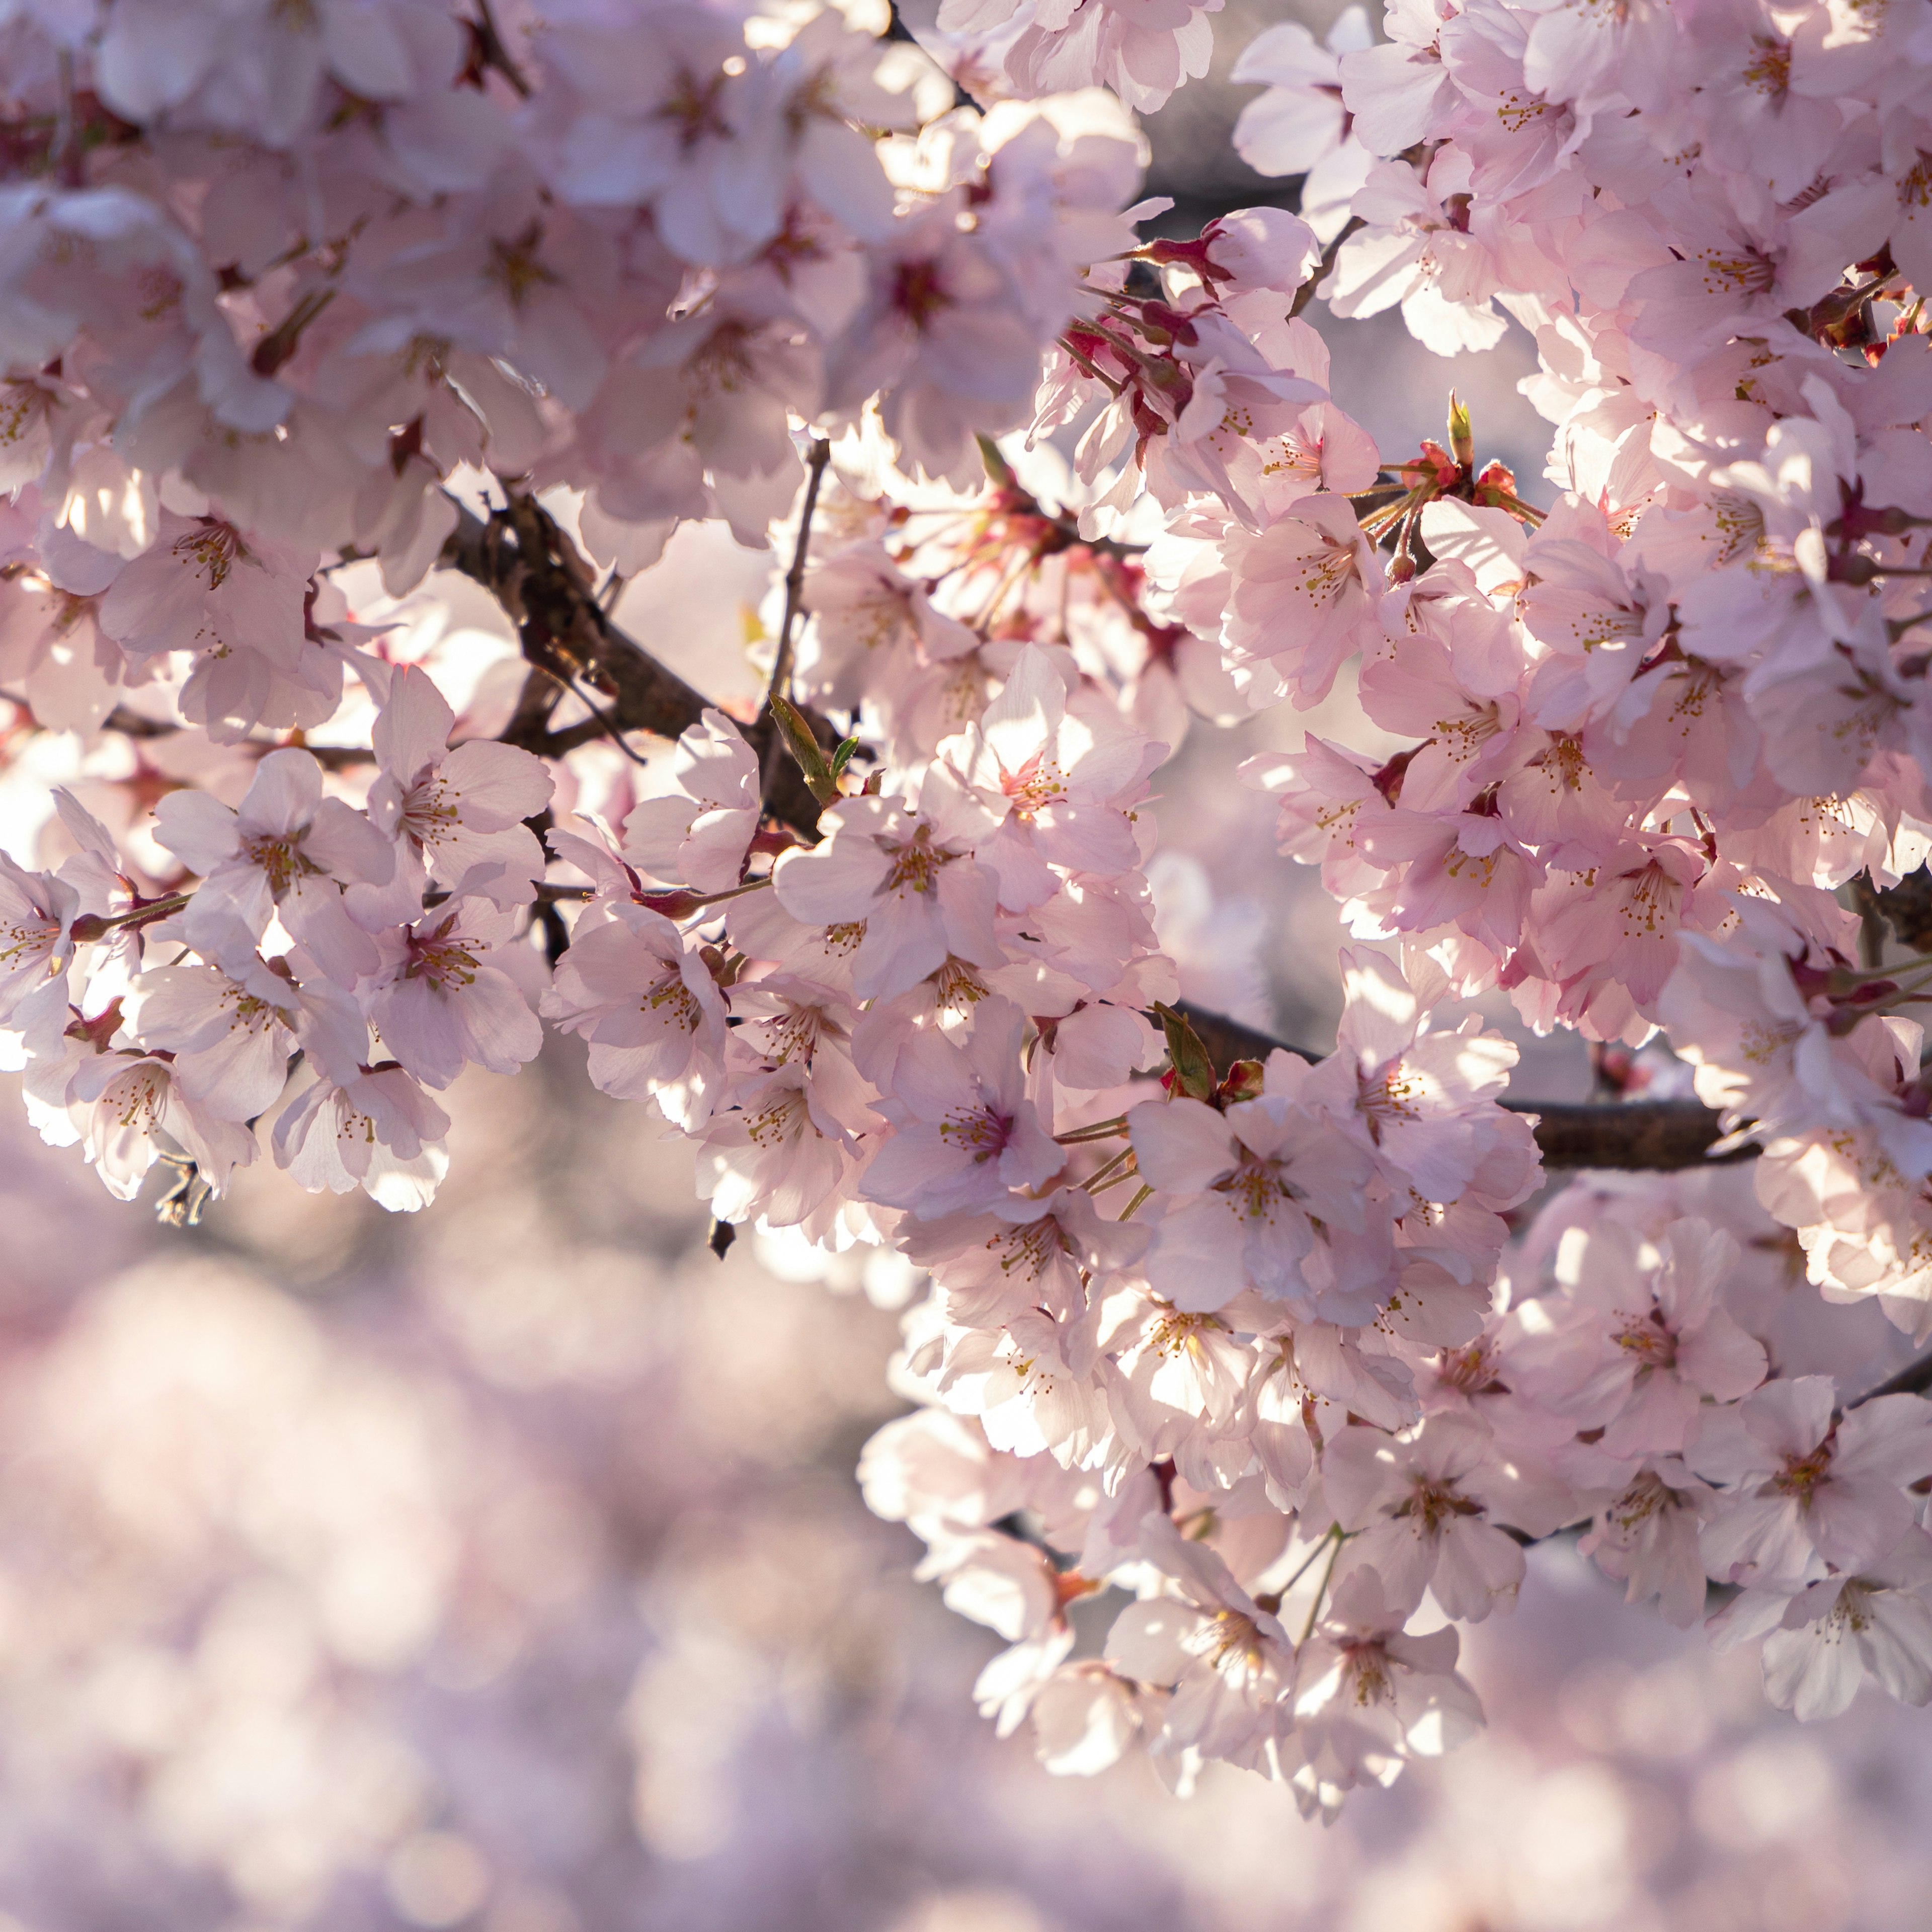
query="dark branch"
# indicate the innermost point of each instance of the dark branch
(488, 54)
(1906, 907)
(1915, 1379)
(1639, 1134)
(533, 570)
(132, 724)
(1649, 1135)
(1309, 288)
(794, 577)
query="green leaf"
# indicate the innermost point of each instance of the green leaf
(999, 471)
(804, 747)
(1193, 1070)
(842, 757)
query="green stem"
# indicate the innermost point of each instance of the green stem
(1327, 1576)
(1094, 1183)
(90, 926)
(1309, 1561)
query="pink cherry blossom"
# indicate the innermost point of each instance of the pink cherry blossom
(373, 1128)
(1875, 1624)
(1227, 1660)
(649, 1008)
(354, 356)
(1802, 1487)
(130, 1112)
(1647, 1537)
(697, 836)
(438, 1003)
(1425, 1512)
(1250, 1187)
(965, 1131)
(285, 852)
(907, 877)
(456, 815)
(1367, 1696)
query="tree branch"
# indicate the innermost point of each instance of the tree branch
(794, 577)
(778, 691)
(533, 570)
(1650, 1135)
(1312, 287)
(1915, 1379)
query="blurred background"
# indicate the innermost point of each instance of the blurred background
(502, 1567)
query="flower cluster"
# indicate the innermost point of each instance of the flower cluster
(1647, 737)
(299, 304)
(1650, 735)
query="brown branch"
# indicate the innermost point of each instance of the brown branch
(533, 569)
(1061, 530)
(1915, 1379)
(1649, 1135)
(1906, 907)
(1305, 293)
(132, 724)
(489, 54)
(794, 577)
(773, 755)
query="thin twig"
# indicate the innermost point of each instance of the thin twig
(1066, 528)
(1305, 294)
(1097, 1183)
(613, 730)
(1322, 1591)
(794, 602)
(494, 53)
(794, 577)
(1309, 1561)
(1915, 1379)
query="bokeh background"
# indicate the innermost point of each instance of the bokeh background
(502, 1568)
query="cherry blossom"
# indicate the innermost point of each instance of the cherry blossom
(1875, 1623)
(1299, 126)
(649, 1008)
(364, 370)
(1421, 1511)
(1368, 1696)
(438, 1002)
(1250, 1187)
(1224, 1656)
(456, 815)
(373, 1127)
(966, 1133)
(696, 835)
(1804, 1488)
(128, 1112)
(1647, 1537)
(908, 877)
(285, 852)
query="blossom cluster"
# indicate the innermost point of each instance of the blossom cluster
(1299, 1491)
(301, 304)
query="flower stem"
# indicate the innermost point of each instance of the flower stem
(1327, 1576)
(90, 926)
